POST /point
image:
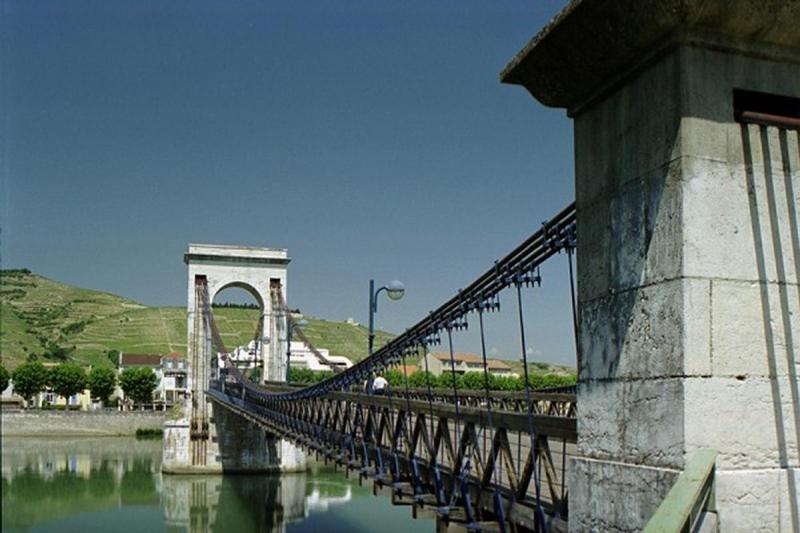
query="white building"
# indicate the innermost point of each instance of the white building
(249, 356)
(302, 357)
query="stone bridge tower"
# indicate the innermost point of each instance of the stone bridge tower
(207, 439)
(686, 118)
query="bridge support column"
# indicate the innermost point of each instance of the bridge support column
(688, 252)
(207, 438)
(234, 445)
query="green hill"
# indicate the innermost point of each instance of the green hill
(58, 322)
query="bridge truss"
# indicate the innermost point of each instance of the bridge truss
(481, 459)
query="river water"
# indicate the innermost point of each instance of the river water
(115, 484)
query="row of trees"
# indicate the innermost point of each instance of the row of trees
(469, 380)
(68, 379)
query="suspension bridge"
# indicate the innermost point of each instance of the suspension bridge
(466, 456)
(682, 256)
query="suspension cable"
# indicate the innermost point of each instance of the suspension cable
(430, 395)
(486, 383)
(570, 253)
(454, 493)
(531, 433)
(455, 388)
(438, 486)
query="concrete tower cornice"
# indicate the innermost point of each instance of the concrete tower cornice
(593, 45)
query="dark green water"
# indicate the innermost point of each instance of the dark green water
(115, 484)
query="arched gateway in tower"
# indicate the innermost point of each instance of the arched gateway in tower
(207, 440)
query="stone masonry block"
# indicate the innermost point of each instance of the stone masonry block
(717, 234)
(594, 247)
(663, 209)
(751, 422)
(653, 430)
(741, 222)
(789, 504)
(755, 329)
(748, 500)
(627, 237)
(705, 138)
(615, 497)
(633, 237)
(633, 421)
(696, 327)
(637, 333)
(601, 420)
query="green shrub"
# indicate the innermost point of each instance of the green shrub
(149, 433)
(305, 376)
(113, 357)
(395, 378)
(421, 379)
(446, 381)
(53, 350)
(548, 381)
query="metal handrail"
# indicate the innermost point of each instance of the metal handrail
(690, 496)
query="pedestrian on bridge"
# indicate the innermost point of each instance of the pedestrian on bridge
(379, 385)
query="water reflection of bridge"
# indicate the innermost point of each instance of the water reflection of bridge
(266, 503)
(53, 480)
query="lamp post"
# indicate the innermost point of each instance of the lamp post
(302, 323)
(394, 290)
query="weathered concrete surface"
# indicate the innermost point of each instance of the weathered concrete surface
(612, 494)
(77, 423)
(688, 253)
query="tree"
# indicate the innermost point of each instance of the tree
(138, 383)
(101, 382)
(3, 378)
(113, 357)
(67, 379)
(29, 379)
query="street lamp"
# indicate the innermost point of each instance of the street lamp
(302, 323)
(394, 290)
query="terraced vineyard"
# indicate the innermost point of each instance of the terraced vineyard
(60, 322)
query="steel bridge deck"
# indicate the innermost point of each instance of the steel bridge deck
(403, 443)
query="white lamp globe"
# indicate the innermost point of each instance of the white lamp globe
(395, 290)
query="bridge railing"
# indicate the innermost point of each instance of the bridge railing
(691, 496)
(554, 402)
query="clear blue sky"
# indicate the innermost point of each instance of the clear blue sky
(371, 139)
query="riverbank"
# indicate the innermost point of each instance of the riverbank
(35, 423)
